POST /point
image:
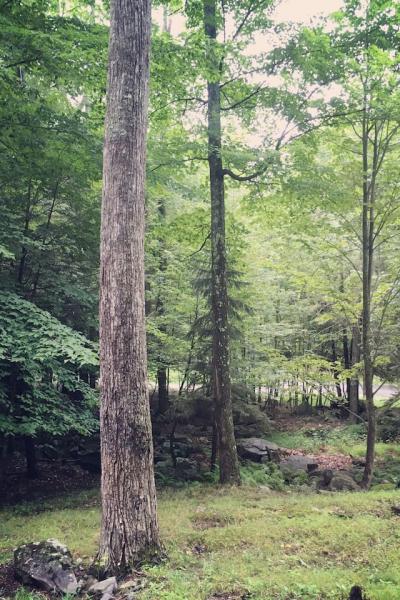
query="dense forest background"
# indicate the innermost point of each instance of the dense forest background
(309, 143)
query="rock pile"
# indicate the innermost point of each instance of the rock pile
(48, 565)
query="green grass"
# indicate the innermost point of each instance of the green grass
(273, 546)
(346, 439)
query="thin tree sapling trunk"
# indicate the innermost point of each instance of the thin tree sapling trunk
(31, 459)
(367, 264)
(354, 390)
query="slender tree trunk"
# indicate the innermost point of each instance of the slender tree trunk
(162, 380)
(228, 459)
(335, 373)
(191, 349)
(367, 250)
(129, 531)
(163, 396)
(354, 381)
(44, 239)
(31, 461)
(214, 446)
(24, 250)
(346, 361)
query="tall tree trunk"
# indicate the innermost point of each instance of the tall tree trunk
(129, 530)
(367, 259)
(162, 380)
(228, 459)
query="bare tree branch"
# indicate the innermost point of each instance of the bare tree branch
(175, 162)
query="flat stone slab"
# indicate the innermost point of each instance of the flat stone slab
(300, 463)
(258, 449)
(107, 585)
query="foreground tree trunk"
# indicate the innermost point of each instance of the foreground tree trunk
(227, 453)
(129, 530)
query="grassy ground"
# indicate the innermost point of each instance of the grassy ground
(271, 545)
(347, 439)
(250, 542)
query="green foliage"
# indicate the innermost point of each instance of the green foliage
(262, 475)
(43, 366)
(24, 594)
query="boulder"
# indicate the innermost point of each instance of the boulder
(321, 480)
(305, 463)
(342, 481)
(334, 481)
(258, 449)
(107, 585)
(47, 564)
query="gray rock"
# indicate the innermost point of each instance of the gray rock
(343, 482)
(107, 585)
(299, 463)
(321, 479)
(86, 582)
(334, 481)
(258, 449)
(265, 489)
(47, 564)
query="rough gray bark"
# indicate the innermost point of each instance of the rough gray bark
(227, 453)
(129, 530)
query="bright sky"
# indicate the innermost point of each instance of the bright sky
(302, 11)
(296, 11)
(299, 11)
